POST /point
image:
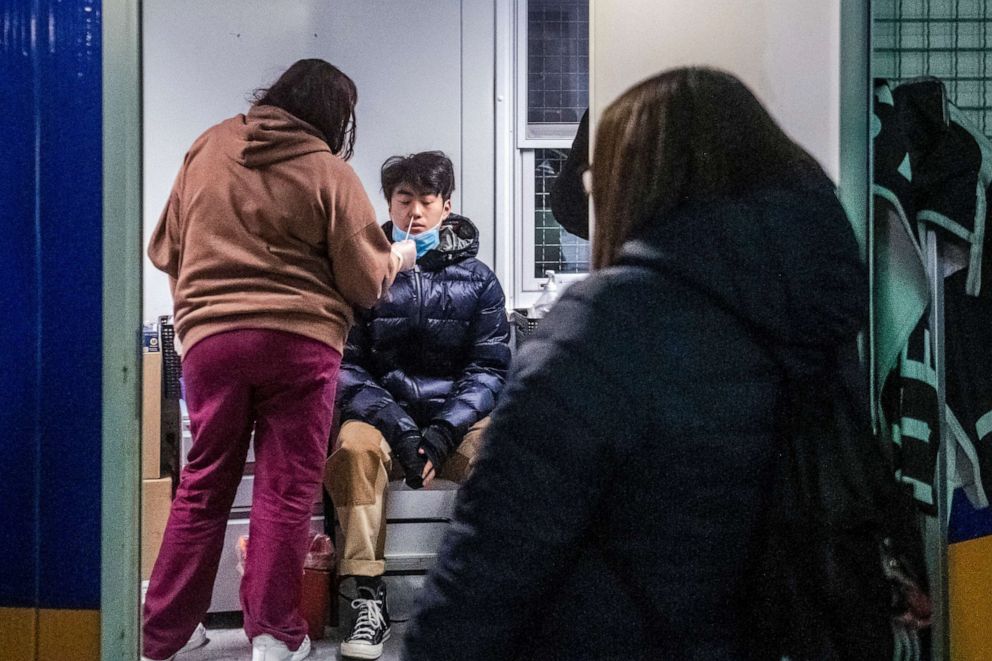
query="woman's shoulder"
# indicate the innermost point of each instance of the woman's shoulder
(333, 176)
(597, 343)
(333, 166)
(806, 200)
(215, 136)
(617, 306)
(618, 289)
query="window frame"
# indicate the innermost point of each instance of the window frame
(527, 226)
(533, 136)
(516, 170)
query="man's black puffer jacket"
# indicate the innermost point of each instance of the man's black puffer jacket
(435, 348)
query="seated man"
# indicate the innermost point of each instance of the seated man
(421, 372)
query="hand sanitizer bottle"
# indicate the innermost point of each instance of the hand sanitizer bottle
(547, 298)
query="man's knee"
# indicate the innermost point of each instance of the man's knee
(462, 461)
(352, 470)
(472, 443)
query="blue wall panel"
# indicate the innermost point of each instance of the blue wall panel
(50, 347)
(966, 522)
(70, 196)
(19, 397)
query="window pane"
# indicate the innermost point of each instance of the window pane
(554, 248)
(948, 40)
(557, 61)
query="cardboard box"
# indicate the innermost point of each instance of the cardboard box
(156, 500)
(151, 415)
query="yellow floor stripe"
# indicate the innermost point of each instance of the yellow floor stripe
(17, 633)
(69, 635)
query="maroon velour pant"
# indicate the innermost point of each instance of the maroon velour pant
(282, 384)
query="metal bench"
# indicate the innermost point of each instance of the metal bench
(416, 520)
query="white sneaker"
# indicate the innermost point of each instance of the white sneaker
(266, 648)
(196, 641)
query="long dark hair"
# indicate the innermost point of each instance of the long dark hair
(683, 135)
(321, 95)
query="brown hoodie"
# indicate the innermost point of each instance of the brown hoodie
(266, 228)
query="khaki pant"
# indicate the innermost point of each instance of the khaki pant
(356, 476)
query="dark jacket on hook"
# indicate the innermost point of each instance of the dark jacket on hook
(569, 202)
(435, 348)
(616, 512)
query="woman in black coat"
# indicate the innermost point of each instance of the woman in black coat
(617, 508)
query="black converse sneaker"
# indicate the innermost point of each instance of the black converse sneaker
(371, 628)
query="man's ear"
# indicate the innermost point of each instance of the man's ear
(446, 211)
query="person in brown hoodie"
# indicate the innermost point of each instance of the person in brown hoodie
(269, 241)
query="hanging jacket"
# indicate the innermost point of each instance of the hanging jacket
(568, 198)
(933, 171)
(616, 511)
(436, 348)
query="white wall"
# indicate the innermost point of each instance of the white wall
(786, 51)
(423, 68)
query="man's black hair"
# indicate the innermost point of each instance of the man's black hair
(429, 173)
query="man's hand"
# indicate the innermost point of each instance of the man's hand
(410, 457)
(428, 475)
(436, 444)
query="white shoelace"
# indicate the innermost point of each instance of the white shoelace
(369, 618)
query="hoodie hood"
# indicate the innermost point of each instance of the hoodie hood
(268, 135)
(784, 260)
(459, 239)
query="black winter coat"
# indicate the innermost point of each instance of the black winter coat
(435, 348)
(615, 511)
(569, 201)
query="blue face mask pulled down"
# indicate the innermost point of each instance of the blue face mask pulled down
(425, 240)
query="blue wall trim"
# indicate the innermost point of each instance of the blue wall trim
(51, 334)
(19, 395)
